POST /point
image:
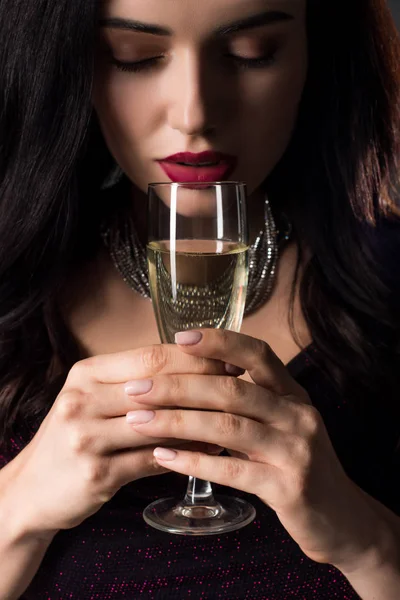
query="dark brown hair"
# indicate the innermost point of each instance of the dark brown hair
(339, 182)
(334, 181)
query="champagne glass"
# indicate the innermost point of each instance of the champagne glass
(198, 269)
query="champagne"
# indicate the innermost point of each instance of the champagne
(197, 283)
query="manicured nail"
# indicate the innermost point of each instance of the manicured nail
(188, 338)
(233, 370)
(139, 417)
(138, 386)
(165, 454)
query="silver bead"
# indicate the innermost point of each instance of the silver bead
(129, 257)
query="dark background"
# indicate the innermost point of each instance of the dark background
(395, 6)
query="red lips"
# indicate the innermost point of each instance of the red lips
(186, 167)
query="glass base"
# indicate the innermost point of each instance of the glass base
(223, 515)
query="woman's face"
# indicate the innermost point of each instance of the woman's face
(220, 75)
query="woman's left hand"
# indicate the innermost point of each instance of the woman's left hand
(280, 450)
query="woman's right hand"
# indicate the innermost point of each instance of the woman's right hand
(85, 450)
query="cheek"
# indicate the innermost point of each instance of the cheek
(271, 113)
(123, 111)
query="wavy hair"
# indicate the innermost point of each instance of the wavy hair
(53, 159)
(339, 182)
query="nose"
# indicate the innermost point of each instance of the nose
(191, 97)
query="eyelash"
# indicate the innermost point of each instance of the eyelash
(242, 63)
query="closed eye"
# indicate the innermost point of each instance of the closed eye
(136, 67)
(240, 61)
(254, 63)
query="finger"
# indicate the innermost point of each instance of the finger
(251, 354)
(109, 400)
(113, 435)
(130, 465)
(96, 386)
(218, 393)
(103, 402)
(140, 363)
(259, 442)
(251, 477)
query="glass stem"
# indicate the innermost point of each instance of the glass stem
(199, 493)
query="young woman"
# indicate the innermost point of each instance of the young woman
(304, 97)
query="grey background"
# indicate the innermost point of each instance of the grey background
(395, 6)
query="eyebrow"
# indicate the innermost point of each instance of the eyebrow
(252, 22)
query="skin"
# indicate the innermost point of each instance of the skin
(179, 105)
(175, 106)
(88, 446)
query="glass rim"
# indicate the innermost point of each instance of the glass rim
(198, 183)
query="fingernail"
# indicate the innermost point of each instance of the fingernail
(233, 370)
(139, 386)
(188, 338)
(165, 454)
(139, 417)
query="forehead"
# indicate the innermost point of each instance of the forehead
(196, 16)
